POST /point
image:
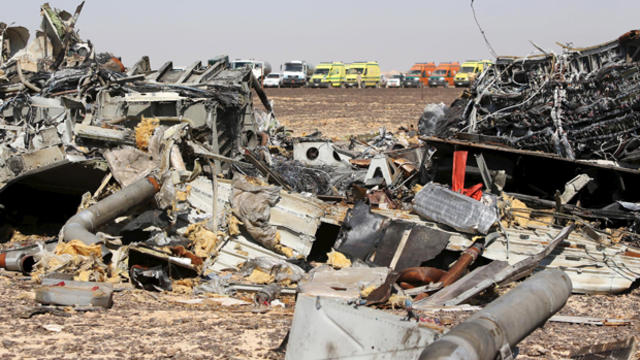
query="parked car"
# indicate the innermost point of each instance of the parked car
(443, 75)
(273, 80)
(395, 81)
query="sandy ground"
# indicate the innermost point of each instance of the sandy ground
(140, 325)
(344, 112)
(145, 325)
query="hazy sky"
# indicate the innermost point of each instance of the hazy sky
(395, 33)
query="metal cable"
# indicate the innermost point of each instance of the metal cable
(491, 50)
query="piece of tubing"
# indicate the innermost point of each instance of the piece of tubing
(467, 258)
(82, 225)
(502, 324)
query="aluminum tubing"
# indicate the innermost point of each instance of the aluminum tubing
(503, 323)
(22, 259)
(82, 225)
(12, 260)
(17, 261)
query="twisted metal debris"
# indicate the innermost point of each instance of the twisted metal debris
(581, 104)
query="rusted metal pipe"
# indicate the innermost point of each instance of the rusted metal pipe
(467, 258)
(264, 138)
(417, 276)
(82, 225)
(500, 326)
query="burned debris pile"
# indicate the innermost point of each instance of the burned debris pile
(580, 104)
(173, 181)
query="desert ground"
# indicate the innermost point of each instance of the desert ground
(339, 113)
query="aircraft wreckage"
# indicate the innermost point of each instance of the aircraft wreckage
(146, 177)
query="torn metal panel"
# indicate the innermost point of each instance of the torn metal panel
(334, 214)
(573, 186)
(407, 245)
(151, 104)
(201, 196)
(596, 321)
(345, 283)
(72, 293)
(319, 153)
(53, 26)
(361, 232)
(128, 164)
(592, 266)
(46, 160)
(38, 48)
(326, 329)
(38, 159)
(413, 154)
(478, 278)
(101, 134)
(47, 109)
(381, 168)
(47, 137)
(437, 203)
(295, 217)
(394, 243)
(14, 39)
(55, 177)
(238, 250)
(176, 267)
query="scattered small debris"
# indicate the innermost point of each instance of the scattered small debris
(53, 327)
